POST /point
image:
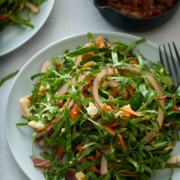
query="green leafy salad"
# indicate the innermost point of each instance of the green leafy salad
(11, 12)
(105, 112)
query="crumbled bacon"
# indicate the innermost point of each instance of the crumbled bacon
(41, 162)
(141, 8)
(69, 175)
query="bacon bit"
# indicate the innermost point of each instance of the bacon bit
(58, 65)
(98, 41)
(128, 55)
(161, 98)
(170, 121)
(124, 115)
(59, 153)
(114, 163)
(59, 103)
(106, 107)
(95, 169)
(98, 154)
(74, 112)
(109, 129)
(69, 175)
(106, 146)
(85, 95)
(79, 147)
(131, 90)
(133, 62)
(129, 110)
(41, 162)
(121, 140)
(175, 108)
(115, 91)
(3, 16)
(128, 172)
(173, 96)
(91, 157)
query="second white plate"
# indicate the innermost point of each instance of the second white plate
(13, 36)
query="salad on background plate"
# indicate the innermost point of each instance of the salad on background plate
(104, 111)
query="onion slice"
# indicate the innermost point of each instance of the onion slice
(96, 82)
(63, 88)
(45, 65)
(155, 85)
(41, 135)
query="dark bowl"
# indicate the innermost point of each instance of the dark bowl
(131, 23)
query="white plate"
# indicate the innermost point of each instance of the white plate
(19, 138)
(13, 36)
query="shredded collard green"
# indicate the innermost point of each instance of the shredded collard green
(104, 142)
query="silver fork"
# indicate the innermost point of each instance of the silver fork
(171, 61)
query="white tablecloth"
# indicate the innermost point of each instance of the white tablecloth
(68, 17)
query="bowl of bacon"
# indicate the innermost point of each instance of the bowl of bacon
(137, 15)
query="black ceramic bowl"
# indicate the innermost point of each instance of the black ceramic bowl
(131, 23)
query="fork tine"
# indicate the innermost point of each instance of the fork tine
(173, 60)
(160, 54)
(167, 60)
(177, 54)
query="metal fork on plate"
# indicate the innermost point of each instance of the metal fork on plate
(170, 59)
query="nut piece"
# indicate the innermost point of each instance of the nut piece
(80, 175)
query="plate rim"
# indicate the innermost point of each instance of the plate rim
(35, 31)
(61, 40)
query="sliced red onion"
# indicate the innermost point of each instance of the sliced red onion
(155, 85)
(173, 160)
(45, 65)
(62, 90)
(71, 104)
(96, 82)
(80, 79)
(103, 166)
(78, 59)
(41, 135)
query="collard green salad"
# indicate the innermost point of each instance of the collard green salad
(105, 111)
(11, 12)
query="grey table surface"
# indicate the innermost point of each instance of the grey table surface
(68, 17)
